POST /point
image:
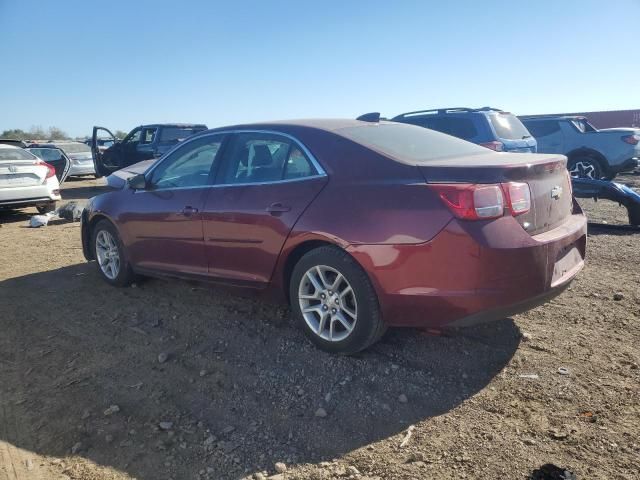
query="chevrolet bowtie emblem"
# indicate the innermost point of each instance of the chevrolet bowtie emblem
(556, 192)
(13, 168)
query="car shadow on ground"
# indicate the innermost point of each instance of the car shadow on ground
(239, 390)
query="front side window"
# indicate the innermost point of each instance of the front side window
(543, 128)
(583, 126)
(260, 157)
(189, 165)
(133, 137)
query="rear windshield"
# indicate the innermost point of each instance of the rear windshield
(15, 154)
(508, 126)
(74, 148)
(409, 142)
(173, 134)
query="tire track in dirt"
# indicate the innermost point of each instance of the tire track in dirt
(15, 463)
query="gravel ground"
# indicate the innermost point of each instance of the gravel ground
(177, 380)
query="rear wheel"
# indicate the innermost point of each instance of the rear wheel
(46, 208)
(585, 167)
(335, 302)
(109, 254)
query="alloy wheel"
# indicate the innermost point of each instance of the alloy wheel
(107, 254)
(328, 303)
(583, 169)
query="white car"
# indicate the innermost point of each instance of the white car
(27, 181)
(78, 153)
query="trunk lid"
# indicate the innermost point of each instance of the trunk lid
(546, 175)
(21, 173)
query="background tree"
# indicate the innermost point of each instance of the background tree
(56, 133)
(14, 133)
(120, 134)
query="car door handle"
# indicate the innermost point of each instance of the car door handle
(277, 207)
(188, 211)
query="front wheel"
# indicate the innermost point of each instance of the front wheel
(335, 302)
(109, 254)
(585, 167)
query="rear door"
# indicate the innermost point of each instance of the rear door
(265, 183)
(163, 222)
(56, 158)
(104, 160)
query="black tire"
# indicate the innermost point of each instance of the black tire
(369, 326)
(125, 275)
(634, 214)
(585, 167)
(46, 208)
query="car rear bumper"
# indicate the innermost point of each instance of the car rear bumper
(473, 271)
(26, 196)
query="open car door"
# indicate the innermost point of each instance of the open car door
(100, 133)
(54, 157)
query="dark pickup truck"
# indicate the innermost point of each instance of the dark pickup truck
(142, 143)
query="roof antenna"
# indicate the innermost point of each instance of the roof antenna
(373, 117)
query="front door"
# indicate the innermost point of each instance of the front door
(163, 222)
(265, 182)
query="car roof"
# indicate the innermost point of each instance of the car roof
(178, 125)
(448, 110)
(4, 145)
(326, 124)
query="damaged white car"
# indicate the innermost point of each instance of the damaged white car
(28, 181)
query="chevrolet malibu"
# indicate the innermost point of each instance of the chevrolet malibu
(359, 225)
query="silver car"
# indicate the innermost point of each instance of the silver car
(78, 153)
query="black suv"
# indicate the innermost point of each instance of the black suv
(142, 143)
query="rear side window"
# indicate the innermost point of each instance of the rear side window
(408, 142)
(508, 126)
(457, 126)
(543, 128)
(264, 157)
(176, 134)
(148, 135)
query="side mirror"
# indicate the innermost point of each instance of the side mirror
(137, 182)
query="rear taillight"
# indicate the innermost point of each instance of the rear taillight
(518, 197)
(495, 146)
(570, 183)
(631, 139)
(483, 202)
(51, 171)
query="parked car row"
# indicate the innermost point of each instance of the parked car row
(591, 153)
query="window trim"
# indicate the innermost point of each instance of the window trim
(320, 172)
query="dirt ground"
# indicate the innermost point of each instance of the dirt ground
(87, 393)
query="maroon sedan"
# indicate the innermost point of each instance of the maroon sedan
(359, 225)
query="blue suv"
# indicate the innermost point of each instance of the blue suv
(490, 127)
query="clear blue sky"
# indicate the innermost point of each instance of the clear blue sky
(73, 63)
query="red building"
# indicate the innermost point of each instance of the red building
(611, 118)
